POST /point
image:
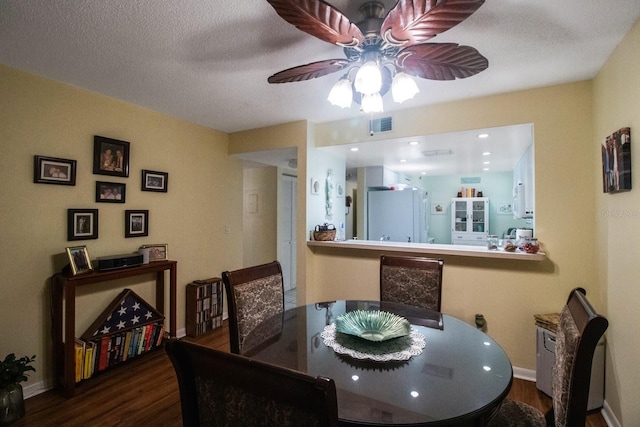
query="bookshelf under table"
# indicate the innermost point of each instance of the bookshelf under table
(64, 311)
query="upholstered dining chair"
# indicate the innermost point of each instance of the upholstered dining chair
(579, 331)
(415, 281)
(225, 389)
(254, 294)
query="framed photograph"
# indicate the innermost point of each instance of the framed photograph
(315, 186)
(438, 208)
(79, 260)
(110, 157)
(82, 224)
(155, 181)
(52, 170)
(157, 252)
(136, 223)
(616, 162)
(505, 208)
(110, 192)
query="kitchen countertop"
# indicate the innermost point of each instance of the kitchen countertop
(428, 248)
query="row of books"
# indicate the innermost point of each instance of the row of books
(93, 356)
(208, 325)
(205, 291)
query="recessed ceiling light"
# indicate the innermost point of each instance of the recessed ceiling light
(486, 153)
(355, 149)
(485, 169)
(486, 163)
(423, 173)
(413, 143)
(403, 160)
(483, 135)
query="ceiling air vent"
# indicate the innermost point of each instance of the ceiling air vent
(384, 124)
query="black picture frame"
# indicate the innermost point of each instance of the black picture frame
(79, 260)
(155, 181)
(82, 224)
(136, 223)
(54, 170)
(110, 156)
(110, 192)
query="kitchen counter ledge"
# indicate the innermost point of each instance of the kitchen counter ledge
(428, 248)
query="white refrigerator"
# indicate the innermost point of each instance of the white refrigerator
(398, 215)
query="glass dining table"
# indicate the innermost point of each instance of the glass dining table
(459, 378)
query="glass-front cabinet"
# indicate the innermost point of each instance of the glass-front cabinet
(469, 220)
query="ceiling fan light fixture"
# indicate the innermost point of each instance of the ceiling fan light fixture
(403, 87)
(368, 78)
(372, 103)
(341, 94)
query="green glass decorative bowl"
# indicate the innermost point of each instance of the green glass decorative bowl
(373, 325)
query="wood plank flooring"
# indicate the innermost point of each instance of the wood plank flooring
(144, 392)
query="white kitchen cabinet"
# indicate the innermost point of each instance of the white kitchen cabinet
(469, 220)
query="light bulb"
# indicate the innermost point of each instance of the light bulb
(341, 93)
(372, 103)
(368, 78)
(403, 87)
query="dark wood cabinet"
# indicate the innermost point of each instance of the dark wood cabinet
(63, 299)
(204, 306)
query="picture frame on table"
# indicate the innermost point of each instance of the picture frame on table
(110, 156)
(110, 192)
(79, 261)
(155, 181)
(157, 252)
(54, 170)
(136, 223)
(82, 224)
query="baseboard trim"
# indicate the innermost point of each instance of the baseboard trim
(524, 374)
(609, 416)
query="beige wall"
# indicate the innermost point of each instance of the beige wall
(259, 232)
(39, 116)
(617, 216)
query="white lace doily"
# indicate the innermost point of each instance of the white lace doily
(396, 349)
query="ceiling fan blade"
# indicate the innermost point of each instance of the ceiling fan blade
(441, 61)
(309, 71)
(416, 21)
(319, 19)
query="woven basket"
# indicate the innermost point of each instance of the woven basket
(324, 235)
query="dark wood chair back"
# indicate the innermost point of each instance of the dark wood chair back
(415, 281)
(579, 331)
(226, 389)
(254, 294)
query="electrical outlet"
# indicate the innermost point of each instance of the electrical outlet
(227, 229)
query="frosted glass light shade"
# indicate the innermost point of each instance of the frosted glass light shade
(368, 78)
(372, 103)
(403, 87)
(341, 94)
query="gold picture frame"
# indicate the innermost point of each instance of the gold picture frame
(79, 260)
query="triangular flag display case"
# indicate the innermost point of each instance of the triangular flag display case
(128, 327)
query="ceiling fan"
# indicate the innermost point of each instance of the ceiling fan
(382, 50)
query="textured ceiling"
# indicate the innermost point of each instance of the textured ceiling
(208, 61)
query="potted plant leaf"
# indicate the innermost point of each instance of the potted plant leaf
(12, 373)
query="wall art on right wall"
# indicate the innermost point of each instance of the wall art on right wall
(616, 161)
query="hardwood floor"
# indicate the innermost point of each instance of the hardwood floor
(144, 392)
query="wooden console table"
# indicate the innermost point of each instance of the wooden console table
(64, 311)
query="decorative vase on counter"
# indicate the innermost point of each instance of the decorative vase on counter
(11, 404)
